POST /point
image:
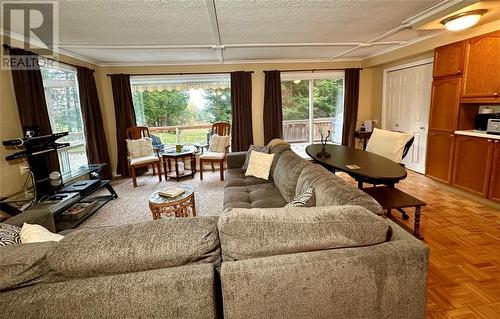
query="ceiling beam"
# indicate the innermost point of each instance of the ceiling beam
(214, 23)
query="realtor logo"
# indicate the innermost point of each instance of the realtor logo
(32, 26)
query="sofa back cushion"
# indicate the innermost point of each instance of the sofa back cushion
(25, 264)
(330, 189)
(286, 173)
(137, 247)
(259, 232)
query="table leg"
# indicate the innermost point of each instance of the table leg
(169, 166)
(360, 183)
(176, 169)
(194, 207)
(193, 165)
(164, 167)
(416, 226)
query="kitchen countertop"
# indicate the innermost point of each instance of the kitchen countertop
(478, 134)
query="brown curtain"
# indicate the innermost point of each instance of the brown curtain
(32, 108)
(241, 109)
(351, 98)
(273, 112)
(97, 148)
(125, 117)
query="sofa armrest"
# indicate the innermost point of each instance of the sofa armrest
(180, 292)
(388, 280)
(236, 159)
(39, 216)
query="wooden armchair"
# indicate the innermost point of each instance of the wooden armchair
(137, 158)
(216, 156)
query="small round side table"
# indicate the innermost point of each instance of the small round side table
(182, 205)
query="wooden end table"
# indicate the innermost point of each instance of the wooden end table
(364, 136)
(391, 198)
(171, 165)
(179, 206)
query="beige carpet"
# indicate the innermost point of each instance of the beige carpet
(132, 203)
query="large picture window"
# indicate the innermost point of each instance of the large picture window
(313, 103)
(187, 104)
(63, 104)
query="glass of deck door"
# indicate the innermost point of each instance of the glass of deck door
(328, 107)
(296, 112)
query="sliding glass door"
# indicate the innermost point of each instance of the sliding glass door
(313, 104)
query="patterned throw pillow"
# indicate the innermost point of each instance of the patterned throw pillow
(9, 234)
(301, 199)
(261, 149)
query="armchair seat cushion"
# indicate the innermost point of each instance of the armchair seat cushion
(212, 156)
(145, 159)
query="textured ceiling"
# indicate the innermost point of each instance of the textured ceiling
(271, 21)
(191, 31)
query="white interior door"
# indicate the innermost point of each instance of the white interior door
(406, 108)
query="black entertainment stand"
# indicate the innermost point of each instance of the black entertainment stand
(58, 206)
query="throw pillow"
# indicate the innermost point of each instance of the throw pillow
(262, 149)
(388, 144)
(31, 233)
(301, 200)
(259, 165)
(218, 143)
(141, 147)
(9, 234)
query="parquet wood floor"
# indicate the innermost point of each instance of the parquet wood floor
(464, 239)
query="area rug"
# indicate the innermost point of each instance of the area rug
(132, 203)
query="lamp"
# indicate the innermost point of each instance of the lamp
(463, 20)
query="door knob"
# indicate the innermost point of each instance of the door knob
(495, 94)
(421, 127)
(459, 72)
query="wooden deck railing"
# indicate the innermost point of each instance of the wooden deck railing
(297, 131)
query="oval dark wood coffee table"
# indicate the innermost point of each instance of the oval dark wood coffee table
(373, 168)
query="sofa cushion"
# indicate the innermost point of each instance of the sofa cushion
(259, 165)
(286, 173)
(253, 196)
(236, 177)
(24, 264)
(330, 189)
(252, 233)
(137, 247)
(257, 148)
(33, 233)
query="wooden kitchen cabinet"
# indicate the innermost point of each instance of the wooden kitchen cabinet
(449, 60)
(445, 103)
(494, 193)
(481, 80)
(440, 155)
(472, 164)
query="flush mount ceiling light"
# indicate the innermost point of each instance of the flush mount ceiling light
(463, 20)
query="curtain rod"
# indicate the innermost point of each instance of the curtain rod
(8, 47)
(313, 70)
(178, 73)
